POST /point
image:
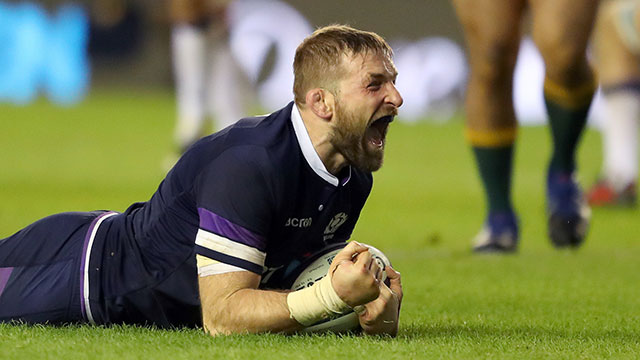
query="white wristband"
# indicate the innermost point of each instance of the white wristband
(315, 303)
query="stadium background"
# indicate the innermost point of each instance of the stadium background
(413, 19)
(129, 44)
(105, 151)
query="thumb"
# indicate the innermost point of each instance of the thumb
(360, 310)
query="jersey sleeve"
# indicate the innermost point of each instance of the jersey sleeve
(235, 207)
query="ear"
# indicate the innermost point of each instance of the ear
(321, 102)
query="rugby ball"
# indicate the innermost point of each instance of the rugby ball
(317, 268)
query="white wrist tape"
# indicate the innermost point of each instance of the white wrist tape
(315, 303)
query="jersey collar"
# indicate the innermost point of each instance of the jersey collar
(309, 152)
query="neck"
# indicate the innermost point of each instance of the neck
(319, 131)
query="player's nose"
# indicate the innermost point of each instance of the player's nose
(393, 96)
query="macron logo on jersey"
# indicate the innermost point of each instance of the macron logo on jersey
(299, 222)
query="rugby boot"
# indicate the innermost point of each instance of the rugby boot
(499, 234)
(567, 210)
(602, 193)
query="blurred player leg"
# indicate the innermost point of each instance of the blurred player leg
(620, 146)
(189, 48)
(208, 80)
(192, 20)
(617, 40)
(229, 91)
(491, 124)
(561, 30)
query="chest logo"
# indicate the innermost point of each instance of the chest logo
(334, 224)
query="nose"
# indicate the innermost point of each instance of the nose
(393, 96)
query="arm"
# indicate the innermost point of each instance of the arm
(232, 302)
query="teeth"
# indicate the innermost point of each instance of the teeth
(377, 135)
(379, 130)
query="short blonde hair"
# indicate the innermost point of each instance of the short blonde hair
(318, 58)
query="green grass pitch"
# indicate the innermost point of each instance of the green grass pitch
(425, 207)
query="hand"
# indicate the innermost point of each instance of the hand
(354, 275)
(381, 315)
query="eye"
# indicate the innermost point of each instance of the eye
(374, 85)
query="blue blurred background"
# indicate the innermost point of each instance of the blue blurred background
(62, 49)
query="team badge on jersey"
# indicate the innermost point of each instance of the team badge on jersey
(334, 224)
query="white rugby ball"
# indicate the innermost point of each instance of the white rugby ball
(318, 269)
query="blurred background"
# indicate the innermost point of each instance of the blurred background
(90, 110)
(61, 49)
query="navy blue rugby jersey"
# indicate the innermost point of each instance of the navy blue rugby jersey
(252, 197)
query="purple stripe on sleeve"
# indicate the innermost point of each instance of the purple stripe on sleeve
(223, 227)
(4, 277)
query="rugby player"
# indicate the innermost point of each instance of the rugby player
(560, 30)
(209, 82)
(617, 50)
(242, 204)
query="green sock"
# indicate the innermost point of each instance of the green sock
(567, 109)
(494, 164)
(566, 127)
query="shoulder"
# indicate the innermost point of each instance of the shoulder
(253, 143)
(264, 130)
(240, 165)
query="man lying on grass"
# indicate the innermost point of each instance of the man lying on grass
(251, 199)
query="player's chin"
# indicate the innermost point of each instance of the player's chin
(372, 159)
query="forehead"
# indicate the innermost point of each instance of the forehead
(368, 64)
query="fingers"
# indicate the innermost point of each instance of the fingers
(369, 264)
(379, 273)
(364, 259)
(393, 275)
(395, 283)
(352, 249)
(347, 255)
(383, 309)
(353, 275)
(375, 269)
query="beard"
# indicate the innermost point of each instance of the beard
(349, 138)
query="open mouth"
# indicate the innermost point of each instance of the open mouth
(377, 131)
